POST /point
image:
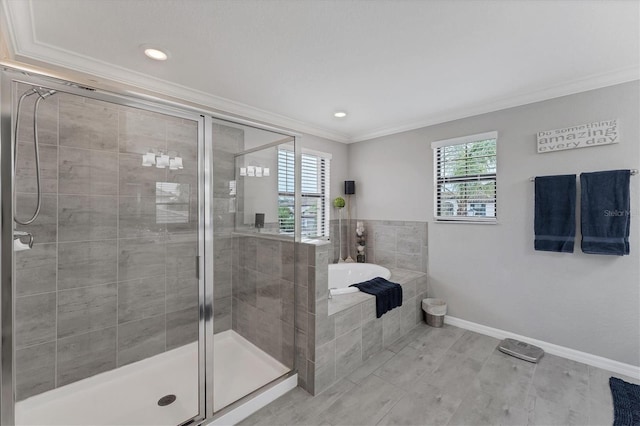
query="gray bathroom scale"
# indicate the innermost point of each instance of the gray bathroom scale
(521, 350)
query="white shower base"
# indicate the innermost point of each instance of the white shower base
(129, 395)
(239, 368)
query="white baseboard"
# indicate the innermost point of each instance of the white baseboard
(572, 354)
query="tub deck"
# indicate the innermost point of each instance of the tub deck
(406, 278)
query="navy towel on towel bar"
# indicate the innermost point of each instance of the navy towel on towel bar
(605, 212)
(555, 213)
(388, 295)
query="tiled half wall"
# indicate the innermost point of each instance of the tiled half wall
(390, 243)
(263, 294)
(332, 346)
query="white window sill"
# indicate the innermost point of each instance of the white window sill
(467, 222)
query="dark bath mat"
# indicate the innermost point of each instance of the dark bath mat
(626, 402)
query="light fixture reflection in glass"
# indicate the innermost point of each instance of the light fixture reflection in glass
(255, 171)
(175, 163)
(148, 159)
(162, 161)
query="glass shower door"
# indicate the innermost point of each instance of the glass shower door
(254, 301)
(106, 305)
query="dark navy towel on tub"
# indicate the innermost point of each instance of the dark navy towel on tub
(555, 213)
(388, 295)
(605, 212)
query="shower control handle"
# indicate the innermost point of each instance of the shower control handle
(18, 235)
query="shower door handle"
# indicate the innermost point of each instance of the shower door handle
(18, 235)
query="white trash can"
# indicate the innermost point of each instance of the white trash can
(434, 311)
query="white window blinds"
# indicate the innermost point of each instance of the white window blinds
(465, 178)
(314, 206)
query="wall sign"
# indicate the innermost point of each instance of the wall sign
(582, 136)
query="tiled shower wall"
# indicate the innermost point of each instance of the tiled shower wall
(263, 294)
(105, 284)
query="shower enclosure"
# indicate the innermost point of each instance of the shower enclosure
(129, 294)
(253, 269)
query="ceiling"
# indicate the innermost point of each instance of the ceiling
(393, 65)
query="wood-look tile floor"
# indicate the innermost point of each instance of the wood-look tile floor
(449, 376)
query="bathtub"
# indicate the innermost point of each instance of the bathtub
(342, 275)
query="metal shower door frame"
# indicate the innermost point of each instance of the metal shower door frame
(7, 374)
(7, 185)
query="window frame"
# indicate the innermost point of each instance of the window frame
(324, 178)
(438, 180)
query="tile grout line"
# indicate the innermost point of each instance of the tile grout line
(464, 397)
(166, 254)
(406, 392)
(589, 394)
(527, 406)
(55, 361)
(117, 119)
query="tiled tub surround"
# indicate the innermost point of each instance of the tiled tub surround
(105, 284)
(392, 244)
(340, 334)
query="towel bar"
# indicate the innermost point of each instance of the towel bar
(633, 172)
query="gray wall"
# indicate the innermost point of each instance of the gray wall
(105, 284)
(259, 192)
(490, 274)
(339, 163)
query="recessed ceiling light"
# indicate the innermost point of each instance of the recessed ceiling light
(156, 54)
(340, 114)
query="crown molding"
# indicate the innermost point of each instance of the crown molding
(27, 49)
(592, 82)
(114, 73)
(22, 42)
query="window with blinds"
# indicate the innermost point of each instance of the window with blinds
(314, 206)
(465, 178)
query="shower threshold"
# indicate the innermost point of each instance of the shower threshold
(129, 395)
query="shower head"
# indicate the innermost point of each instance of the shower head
(43, 93)
(40, 91)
